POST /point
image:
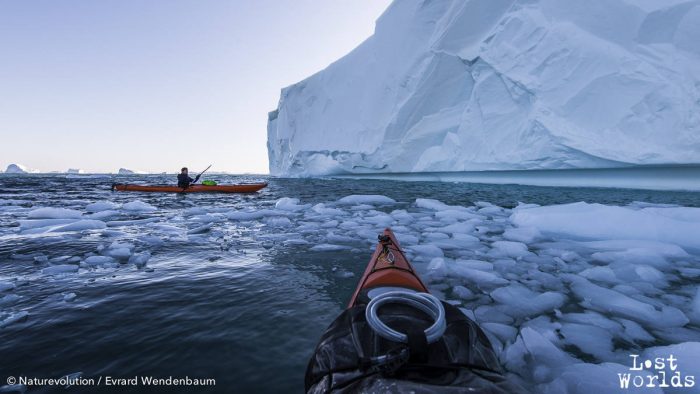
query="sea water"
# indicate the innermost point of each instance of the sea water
(238, 288)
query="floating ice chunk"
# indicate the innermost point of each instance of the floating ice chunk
(426, 250)
(535, 357)
(5, 285)
(371, 199)
(321, 208)
(81, 225)
(482, 279)
(60, 269)
(519, 301)
(295, 242)
(328, 248)
(635, 332)
(43, 223)
(402, 216)
(589, 339)
(244, 216)
(596, 221)
(13, 318)
(41, 259)
(505, 333)
(290, 204)
(54, 213)
(208, 218)
(119, 253)
(135, 222)
(463, 292)
(509, 249)
(475, 264)
(406, 239)
(103, 215)
(69, 297)
(98, 260)
(201, 229)
(489, 313)
(611, 301)
(632, 257)
(101, 206)
(434, 236)
(437, 268)
(140, 259)
(139, 206)
(455, 215)
(435, 205)
(279, 221)
(600, 274)
(522, 234)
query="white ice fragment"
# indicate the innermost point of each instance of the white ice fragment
(462, 292)
(200, 229)
(98, 260)
(426, 250)
(279, 221)
(60, 269)
(328, 248)
(140, 259)
(509, 249)
(610, 301)
(290, 204)
(435, 205)
(69, 297)
(522, 234)
(519, 301)
(54, 213)
(371, 199)
(101, 206)
(139, 206)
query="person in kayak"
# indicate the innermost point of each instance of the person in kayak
(183, 179)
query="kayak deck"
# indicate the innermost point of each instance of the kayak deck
(241, 188)
(388, 268)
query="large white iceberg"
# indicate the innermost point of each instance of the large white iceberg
(501, 84)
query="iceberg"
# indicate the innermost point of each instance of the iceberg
(500, 85)
(17, 169)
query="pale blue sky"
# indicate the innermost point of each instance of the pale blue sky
(154, 85)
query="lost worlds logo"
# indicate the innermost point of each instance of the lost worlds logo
(660, 372)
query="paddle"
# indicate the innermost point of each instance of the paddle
(200, 174)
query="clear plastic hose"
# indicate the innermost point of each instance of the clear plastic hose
(422, 301)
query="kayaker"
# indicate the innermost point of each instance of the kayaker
(184, 180)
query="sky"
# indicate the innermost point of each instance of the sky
(160, 84)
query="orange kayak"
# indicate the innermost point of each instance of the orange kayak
(387, 268)
(242, 188)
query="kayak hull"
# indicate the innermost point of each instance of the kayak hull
(241, 188)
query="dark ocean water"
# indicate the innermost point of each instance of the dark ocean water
(233, 304)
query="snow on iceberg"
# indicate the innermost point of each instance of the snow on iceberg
(500, 84)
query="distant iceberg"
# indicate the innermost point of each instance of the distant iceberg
(501, 85)
(74, 171)
(126, 171)
(17, 169)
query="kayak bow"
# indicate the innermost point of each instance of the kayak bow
(396, 337)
